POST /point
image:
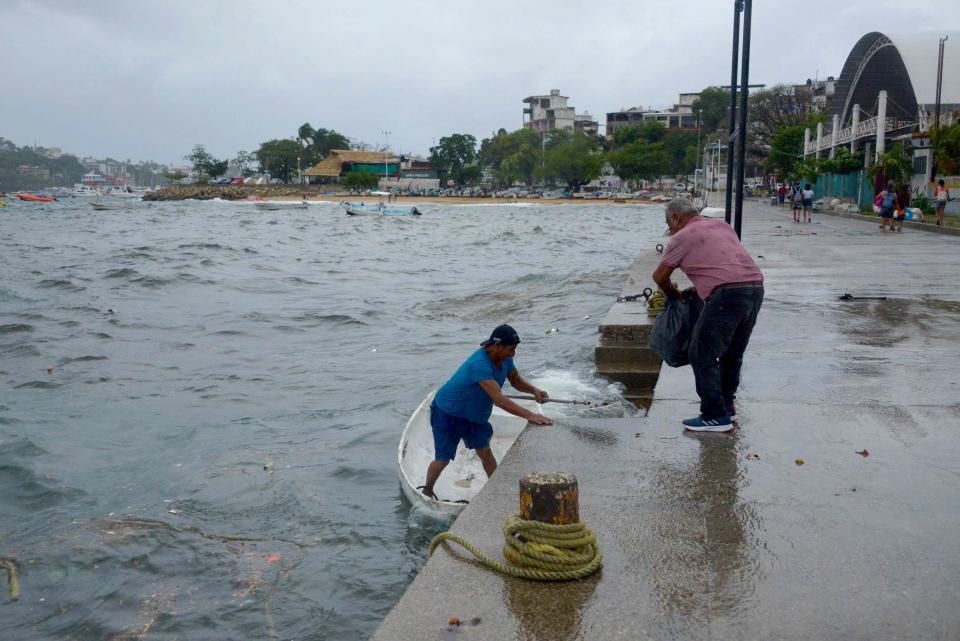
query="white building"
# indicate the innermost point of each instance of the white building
(546, 113)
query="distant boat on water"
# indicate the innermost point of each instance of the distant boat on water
(380, 209)
(34, 198)
(273, 206)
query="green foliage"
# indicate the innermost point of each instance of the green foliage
(897, 166)
(278, 158)
(174, 176)
(640, 160)
(452, 155)
(842, 163)
(513, 157)
(243, 162)
(648, 130)
(946, 142)
(572, 159)
(204, 164)
(317, 144)
(65, 170)
(923, 203)
(360, 180)
(786, 150)
(712, 108)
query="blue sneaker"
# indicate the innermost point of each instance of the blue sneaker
(700, 424)
(732, 411)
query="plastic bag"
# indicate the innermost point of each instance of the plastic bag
(670, 336)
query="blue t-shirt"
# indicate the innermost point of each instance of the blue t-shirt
(462, 395)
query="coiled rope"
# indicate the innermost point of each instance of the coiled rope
(656, 303)
(539, 551)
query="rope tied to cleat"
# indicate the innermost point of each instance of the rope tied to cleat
(538, 551)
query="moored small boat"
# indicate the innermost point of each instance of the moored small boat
(380, 209)
(34, 198)
(274, 206)
(464, 477)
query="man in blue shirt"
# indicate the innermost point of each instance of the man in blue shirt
(461, 408)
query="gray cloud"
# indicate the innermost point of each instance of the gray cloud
(149, 80)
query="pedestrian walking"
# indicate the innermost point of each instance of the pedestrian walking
(796, 197)
(782, 193)
(807, 201)
(731, 286)
(889, 203)
(941, 197)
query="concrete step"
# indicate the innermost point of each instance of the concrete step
(626, 358)
(640, 400)
(624, 335)
(637, 381)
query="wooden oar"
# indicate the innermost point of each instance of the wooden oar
(548, 400)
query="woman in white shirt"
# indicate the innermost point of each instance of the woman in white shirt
(941, 197)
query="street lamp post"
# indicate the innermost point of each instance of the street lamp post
(386, 144)
(936, 112)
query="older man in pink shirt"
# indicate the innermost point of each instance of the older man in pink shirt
(731, 287)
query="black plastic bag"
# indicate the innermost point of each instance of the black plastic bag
(670, 336)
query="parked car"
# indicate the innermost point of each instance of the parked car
(679, 187)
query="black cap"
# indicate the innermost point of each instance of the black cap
(502, 335)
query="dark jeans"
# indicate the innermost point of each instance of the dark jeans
(719, 340)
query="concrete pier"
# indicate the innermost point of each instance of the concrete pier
(833, 512)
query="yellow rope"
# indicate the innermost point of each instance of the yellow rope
(11, 568)
(539, 551)
(656, 303)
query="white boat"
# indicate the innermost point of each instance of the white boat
(380, 209)
(123, 204)
(270, 206)
(464, 476)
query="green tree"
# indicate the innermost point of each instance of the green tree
(712, 108)
(243, 162)
(647, 130)
(786, 150)
(897, 165)
(216, 168)
(199, 159)
(639, 160)
(360, 180)
(512, 157)
(316, 144)
(278, 158)
(572, 159)
(452, 155)
(174, 176)
(946, 142)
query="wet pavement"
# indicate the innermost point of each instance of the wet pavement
(831, 513)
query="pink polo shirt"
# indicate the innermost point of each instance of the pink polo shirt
(710, 254)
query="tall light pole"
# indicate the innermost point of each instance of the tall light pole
(744, 105)
(737, 10)
(936, 112)
(386, 144)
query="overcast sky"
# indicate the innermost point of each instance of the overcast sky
(148, 80)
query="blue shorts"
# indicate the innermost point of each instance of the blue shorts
(449, 430)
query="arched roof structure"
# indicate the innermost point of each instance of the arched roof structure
(905, 65)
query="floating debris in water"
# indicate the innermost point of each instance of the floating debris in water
(799, 461)
(551, 330)
(454, 621)
(751, 456)
(49, 369)
(864, 453)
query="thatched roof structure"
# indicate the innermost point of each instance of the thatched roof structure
(332, 165)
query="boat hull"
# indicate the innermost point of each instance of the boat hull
(464, 477)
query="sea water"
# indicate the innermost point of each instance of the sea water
(200, 402)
